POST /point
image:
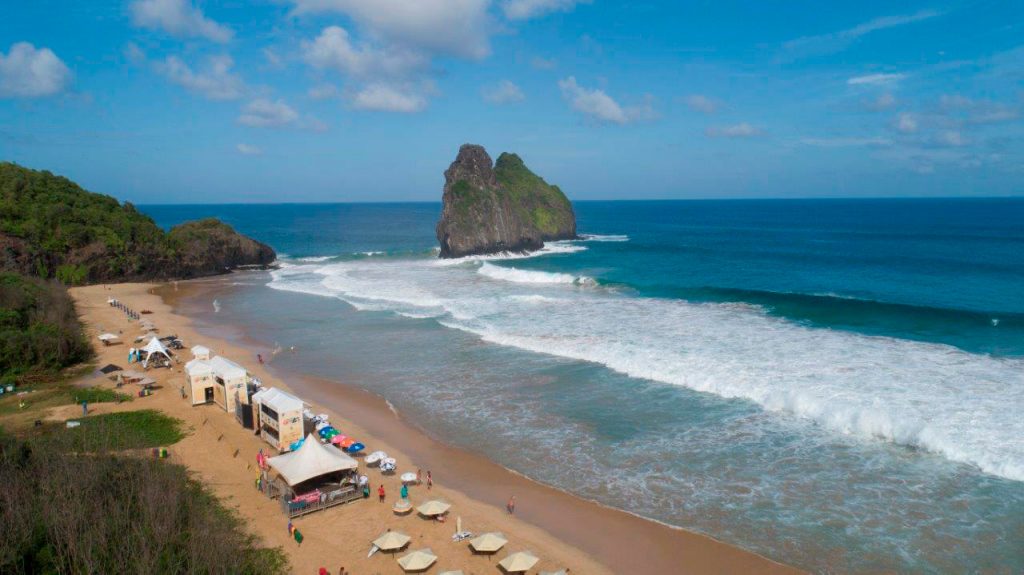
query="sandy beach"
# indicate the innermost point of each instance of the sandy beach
(563, 530)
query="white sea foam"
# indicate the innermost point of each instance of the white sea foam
(550, 248)
(314, 259)
(530, 276)
(963, 406)
(604, 238)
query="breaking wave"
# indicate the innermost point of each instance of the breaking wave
(963, 406)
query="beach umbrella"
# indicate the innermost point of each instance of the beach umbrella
(344, 443)
(518, 562)
(375, 457)
(559, 572)
(418, 560)
(433, 507)
(408, 477)
(321, 425)
(391, 541)
(355, 447)
(108, 337)
(488, 543)
(337, 439)
(456, 572)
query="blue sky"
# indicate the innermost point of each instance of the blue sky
(167, 101)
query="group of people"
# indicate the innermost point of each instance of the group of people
(132, 314)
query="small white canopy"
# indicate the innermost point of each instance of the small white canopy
(108, 337)
(201, 352)
(433, 507)
(311, 460)
(279, 401)
(226, 369)
(418, 560)
(197, 367)
(154, 346)
(519, 562)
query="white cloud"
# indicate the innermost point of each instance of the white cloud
(30, 72)
(526, 9)
(248, 150)
(703, 104)
(846, 142)
(906, 123)
(875, 79)
(882, 102)
(598, 105)
(742, 130)
(333, 49)
(384, 98)
(978, 111)
(274, 60)
(950, 138)
(215, 81)
(134, 54)
(838, 41)
(263, 113)
(543, 63)
(504, 92)
(323, 92)
(459, 28)
(178, 18)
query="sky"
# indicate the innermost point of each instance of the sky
(202, 101)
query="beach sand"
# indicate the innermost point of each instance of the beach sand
(563, 530)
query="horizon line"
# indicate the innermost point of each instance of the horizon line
(765, 199)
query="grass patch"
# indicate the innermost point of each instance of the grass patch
(120, 431)
(97, 395)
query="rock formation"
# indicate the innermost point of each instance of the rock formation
(499, 207)
(52, 228)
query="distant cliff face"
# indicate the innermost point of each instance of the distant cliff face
(52, 228)
(502, 207)
(209, 247)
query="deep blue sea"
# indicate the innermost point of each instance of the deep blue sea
(836, 384)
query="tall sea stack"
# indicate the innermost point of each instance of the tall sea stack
(499, 207)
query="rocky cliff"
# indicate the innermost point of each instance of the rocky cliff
(499, 207)
(52, 228)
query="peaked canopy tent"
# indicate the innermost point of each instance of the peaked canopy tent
(311, 461)
(155, 346)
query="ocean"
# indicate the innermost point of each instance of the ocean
(835, 384)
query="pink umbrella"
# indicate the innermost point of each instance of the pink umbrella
(337, 439)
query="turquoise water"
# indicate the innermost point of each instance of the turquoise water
(835, 384)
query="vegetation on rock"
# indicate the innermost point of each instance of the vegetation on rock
(499, 207)
(52, 228)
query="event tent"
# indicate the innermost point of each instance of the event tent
(201, 352)
(312, 460)
(154, 346)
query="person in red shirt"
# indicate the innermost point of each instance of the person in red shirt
(380, 493)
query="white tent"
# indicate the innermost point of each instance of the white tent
(154, 346)
(201, 352)
(311, 460)
(198, 367)
(280, 401)
(227, 369)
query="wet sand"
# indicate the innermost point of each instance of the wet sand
(565, 531)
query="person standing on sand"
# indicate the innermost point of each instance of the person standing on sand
(419, 476)
(511, 506)
(85, 408)
(380, 492)
(430, 480)
(405, 491)
(259, 358)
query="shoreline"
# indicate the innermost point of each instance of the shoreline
(594, 528)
